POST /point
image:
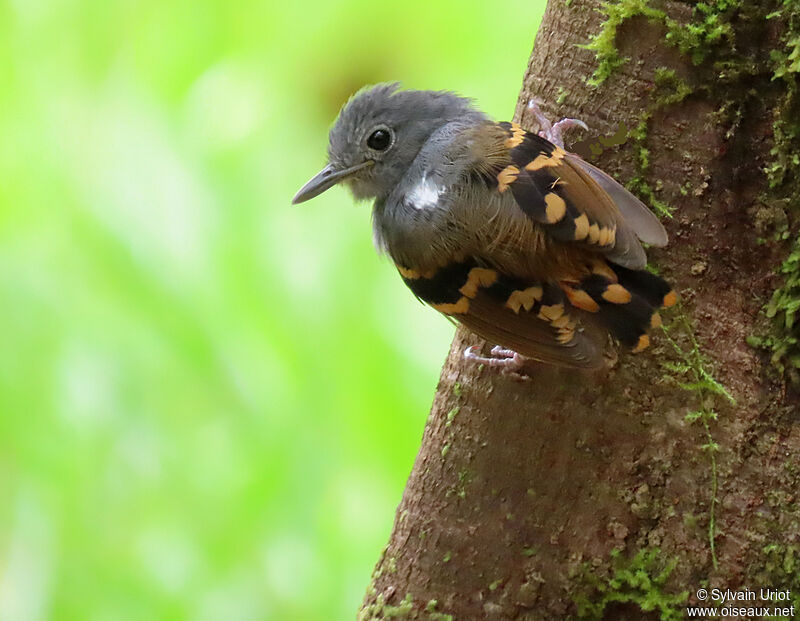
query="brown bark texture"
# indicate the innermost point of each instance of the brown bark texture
(600, 495)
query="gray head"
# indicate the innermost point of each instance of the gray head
(379, 133)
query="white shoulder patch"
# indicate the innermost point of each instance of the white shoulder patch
(425, 195)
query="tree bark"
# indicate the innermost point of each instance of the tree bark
(619, 494)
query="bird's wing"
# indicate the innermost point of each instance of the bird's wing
(529, 317)
(574, 201)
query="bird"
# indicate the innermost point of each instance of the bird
(499, 228)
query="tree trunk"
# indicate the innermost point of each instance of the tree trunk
(619, 494)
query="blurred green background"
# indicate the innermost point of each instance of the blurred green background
(209, 400)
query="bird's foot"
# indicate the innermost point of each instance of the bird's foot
(507, 360)
(554, 132)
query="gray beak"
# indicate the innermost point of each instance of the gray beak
(324, 179)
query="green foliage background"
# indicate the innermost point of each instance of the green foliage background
(209, 400)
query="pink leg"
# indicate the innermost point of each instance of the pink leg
(553, 133)
(506, 359)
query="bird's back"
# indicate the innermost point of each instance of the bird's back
(520, 242)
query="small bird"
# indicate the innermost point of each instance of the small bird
(523, 243)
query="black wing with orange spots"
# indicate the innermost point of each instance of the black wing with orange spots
(575, 202)
(562, 320)
(533, 318)
(625, 301)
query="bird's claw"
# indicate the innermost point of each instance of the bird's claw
(554, 132)
(507, 360)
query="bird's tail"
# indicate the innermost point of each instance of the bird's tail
(625, 301)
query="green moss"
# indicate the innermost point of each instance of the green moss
(449, 418)
(693, 370)
(783, 341)
(694, 365)
(460, 488)
(785, 64)
(604, 43)
(451, 415)
(670, 90)
(494, 585)
(378, 571)
(709, 30)
(779, 567)
(707, 37)
(381, 610)
(674, 89)
(405, 607)
(639, 581)
(433, 615)
(464, 478)
(639, 184)
(690, 520)
(786, 133)
(710, 26)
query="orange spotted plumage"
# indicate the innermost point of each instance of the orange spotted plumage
(502, 229)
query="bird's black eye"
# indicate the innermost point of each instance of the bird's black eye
(379, 140)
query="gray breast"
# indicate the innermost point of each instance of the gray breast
(418, 223)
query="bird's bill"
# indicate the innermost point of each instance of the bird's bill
(324, 179)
